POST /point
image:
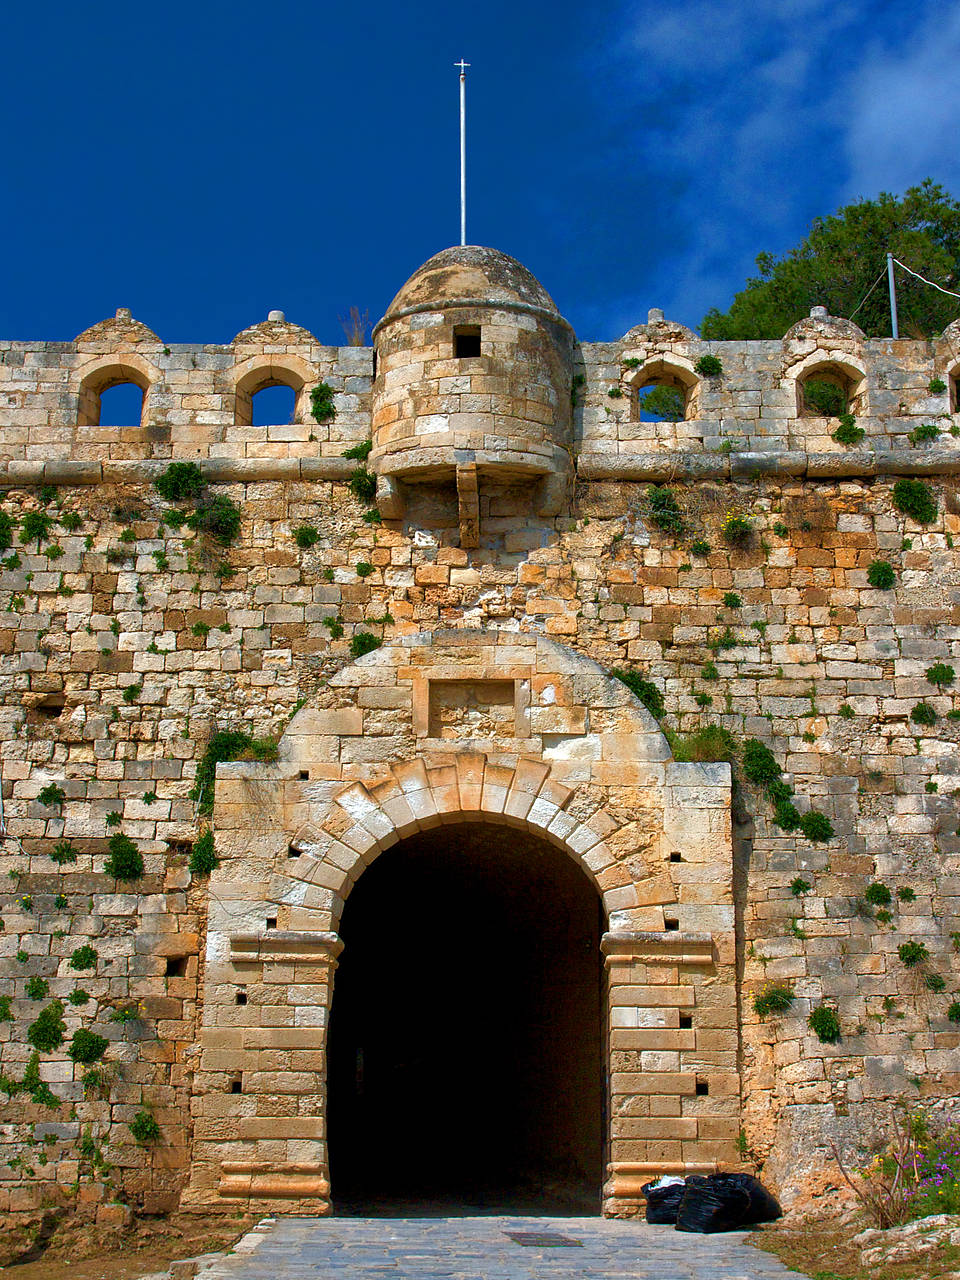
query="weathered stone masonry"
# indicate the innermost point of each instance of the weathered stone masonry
(518, 564)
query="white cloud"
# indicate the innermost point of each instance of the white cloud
(733, 123)
(903, 108)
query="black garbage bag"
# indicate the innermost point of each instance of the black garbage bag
(663, 1203)
(764, 1207)
(712, 1204)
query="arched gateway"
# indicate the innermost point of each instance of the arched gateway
(429, 748)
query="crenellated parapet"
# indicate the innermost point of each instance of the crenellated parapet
(196, 399)
(476, 380)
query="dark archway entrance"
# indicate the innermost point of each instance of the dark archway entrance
(465, 1064)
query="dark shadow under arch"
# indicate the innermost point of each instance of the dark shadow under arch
(465, 1064)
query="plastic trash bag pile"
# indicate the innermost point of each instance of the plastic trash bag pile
(720, 1202)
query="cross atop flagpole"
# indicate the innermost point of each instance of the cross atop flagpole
(463, 149)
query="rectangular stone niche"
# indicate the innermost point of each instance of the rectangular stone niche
(477, 709)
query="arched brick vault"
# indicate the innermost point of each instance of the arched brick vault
(364, 820)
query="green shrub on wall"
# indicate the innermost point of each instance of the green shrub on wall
(881, 575)
(645, 690)
(663, 509)
(203, 857)
(924, 714)
(825, 1024)
(822, 399)
(359, 452)
(363, 484)
(181, 480)
(124, 861)
(816, 826)
(878, 895)
(773, 998)
(913, 498)
(913, 953)
(84, 957)
(227, 744)
(144, 1127)
(219, 517)
(46, 1032)
(86, 1046)
(848, 432)
(709, 366)
(322, 406)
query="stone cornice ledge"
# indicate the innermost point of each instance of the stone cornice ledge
(648, 947)
(663, 467)
(288, 946)
(655, 468)
(145, 471)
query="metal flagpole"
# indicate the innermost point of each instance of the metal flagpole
(463, 149)
(893, 296)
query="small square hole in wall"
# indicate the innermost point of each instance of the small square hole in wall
(236, 1085)
(676, 857)
(240, 997)
(176, 966)
(293, 851)
(466, 341)
(702, 1088)
(51, 707)
(271, 922)
(304, 775)
(686, 1021)
(671, 925)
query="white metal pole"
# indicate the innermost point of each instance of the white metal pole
(891, 281)
(463, 149)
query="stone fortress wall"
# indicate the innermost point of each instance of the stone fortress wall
(513, 493)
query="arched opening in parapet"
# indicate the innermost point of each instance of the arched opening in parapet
(466, 1045)
(114, 396)
(829, 388)
(664, 391)
(274, 405)
(271, 395)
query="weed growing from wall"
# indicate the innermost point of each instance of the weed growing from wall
(940, 674)
(124, 861)
(664, 511)
(322, 406)
(47, 1031)
(84, 957)
(709, 366)
(825, 1024)
(51, 796)
(364, 642)
(363, 484)
(771, 999)
(923, 433)
(180, 481)
(144, 1127)
(848, 432)
(228, 744)
(306, 536)
(86, 1046)
(914, 499)
(881, 575)
(645, 690)
(203, 857)
(924, 714)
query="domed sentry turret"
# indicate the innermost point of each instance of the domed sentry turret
(473, 373)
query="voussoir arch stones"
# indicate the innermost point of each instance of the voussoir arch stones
(584, 767)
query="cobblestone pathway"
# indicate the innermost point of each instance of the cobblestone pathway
(483, 1249)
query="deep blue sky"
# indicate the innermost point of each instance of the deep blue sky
(203, 162)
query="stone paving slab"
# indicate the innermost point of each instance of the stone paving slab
(481, 1249)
